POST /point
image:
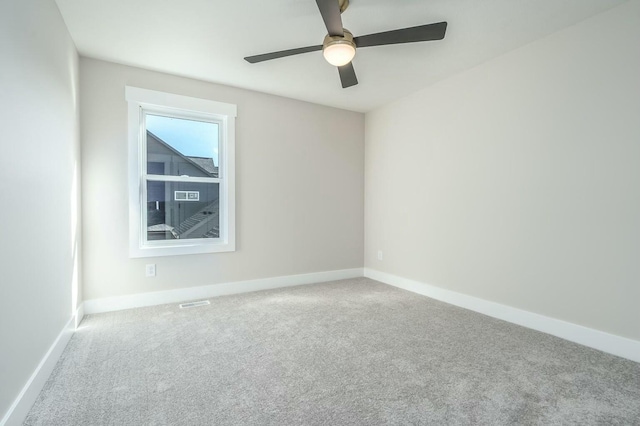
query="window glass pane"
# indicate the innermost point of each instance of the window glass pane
(179, 210)
(178, 147)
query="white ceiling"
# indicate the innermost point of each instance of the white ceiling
(208, 39)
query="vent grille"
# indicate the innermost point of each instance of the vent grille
(194, 304)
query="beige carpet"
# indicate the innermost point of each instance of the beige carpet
(351, 352)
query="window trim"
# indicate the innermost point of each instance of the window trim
(141, 101)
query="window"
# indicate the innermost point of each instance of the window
(181, 174)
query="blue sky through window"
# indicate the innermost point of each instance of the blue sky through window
(191, 138)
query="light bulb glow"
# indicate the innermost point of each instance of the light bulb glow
(339, 53)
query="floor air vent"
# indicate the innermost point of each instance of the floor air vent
(194, 304)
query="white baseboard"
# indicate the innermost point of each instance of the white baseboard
(139, 300)
(29, 393)
(610, 343)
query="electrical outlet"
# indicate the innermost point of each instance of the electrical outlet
(379, 254)
(150, 270)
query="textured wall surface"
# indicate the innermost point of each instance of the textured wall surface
(299, 187)
(39, 183)
(519, 181)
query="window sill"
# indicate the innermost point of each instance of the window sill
(196, 248)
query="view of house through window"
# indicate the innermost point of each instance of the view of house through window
(182, 178)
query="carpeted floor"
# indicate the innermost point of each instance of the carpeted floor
(351, 352)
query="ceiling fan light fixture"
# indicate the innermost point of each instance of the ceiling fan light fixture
(339, 51)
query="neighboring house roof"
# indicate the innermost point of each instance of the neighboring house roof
(205, 163)
(163, 227)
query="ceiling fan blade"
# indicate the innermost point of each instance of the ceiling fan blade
(406, 35)
(281, 54)
(330, 11)
(347, 75)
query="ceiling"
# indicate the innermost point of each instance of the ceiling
(208, 39)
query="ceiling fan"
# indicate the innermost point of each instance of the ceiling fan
(339, 46)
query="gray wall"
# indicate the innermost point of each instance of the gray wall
(299, 187)
(518, 181)
(39, 173)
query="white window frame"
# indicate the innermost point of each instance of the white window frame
(142, 101)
